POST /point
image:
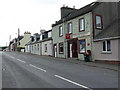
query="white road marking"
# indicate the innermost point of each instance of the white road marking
(12, 57)
(21, 61)
(16, 59)
(73, 82)
(38, 68)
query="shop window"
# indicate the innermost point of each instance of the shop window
(82, 46)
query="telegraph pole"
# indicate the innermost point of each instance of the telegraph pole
(18, 32)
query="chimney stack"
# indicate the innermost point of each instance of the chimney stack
(65, 10)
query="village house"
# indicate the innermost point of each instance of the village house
(14, 44)
(22, 41)
(40, 44)
(46, 43)
(34, 46)
(73, 34)
(106, 32)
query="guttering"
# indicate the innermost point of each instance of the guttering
(95, 40)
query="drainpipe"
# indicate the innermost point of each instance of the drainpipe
(65, 42)
(92, 35)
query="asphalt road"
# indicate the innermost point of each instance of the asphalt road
(20, 70)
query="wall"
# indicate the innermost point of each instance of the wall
(113, 56)
(49, 48)
(108, 11)
(57, 39)
(87, 34)
(25, 40)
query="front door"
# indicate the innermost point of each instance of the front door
(55, 50)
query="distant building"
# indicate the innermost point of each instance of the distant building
(40, 44)
(22, 41)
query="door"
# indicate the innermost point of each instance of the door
(55, 50)
(74, 48)
(70, 50)
(50, 49)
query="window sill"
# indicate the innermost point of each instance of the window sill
(61, 53)
(99, 28)
(81, 30)
(61, 36)
(106, 52)
(82, 52)
(69, 33)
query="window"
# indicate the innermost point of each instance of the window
(61, 50)
(60, 31)
(45, 47)
(69, 28)
(38, 46)
(82, 46)
(32, 48)
(106, 46)
(98, 20)
(35, 47)
(81, 24)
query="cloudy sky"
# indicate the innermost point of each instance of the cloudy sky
(31, 15)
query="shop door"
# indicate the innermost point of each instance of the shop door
(70, 50)
(74, 48)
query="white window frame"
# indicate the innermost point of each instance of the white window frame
(60, 31)
(70, 27)
(38, 46)
(98, 21)
(82, 24)
(45, 47)
(106, 46)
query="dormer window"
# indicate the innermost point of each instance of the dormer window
(60, 31)
(98, 22)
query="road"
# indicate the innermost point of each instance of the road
(21, 70)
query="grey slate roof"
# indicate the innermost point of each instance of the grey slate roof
(78, 12)
(113, 30)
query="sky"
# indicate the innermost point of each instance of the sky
(31, 15)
